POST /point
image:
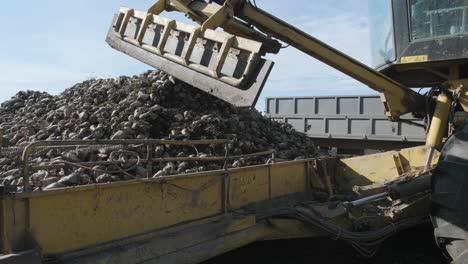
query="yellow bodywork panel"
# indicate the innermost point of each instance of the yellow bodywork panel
(248, 186)
(415, 158)
(288, 179)
(252, 185)
(366, 170)
(66, 220)
(75, 218)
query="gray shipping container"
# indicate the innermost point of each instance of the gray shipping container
(343, 117)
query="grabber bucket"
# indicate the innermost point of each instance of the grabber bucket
(221, 64)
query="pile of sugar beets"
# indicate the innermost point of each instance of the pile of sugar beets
(152, 105)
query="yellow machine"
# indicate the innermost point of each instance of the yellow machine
(191, 218)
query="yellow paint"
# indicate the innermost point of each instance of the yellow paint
(262, 183)
(366, 170)
(439, 122)
(77, 218)
(248, 186)
(241, 224)
(415, 158)
(287, 179)
(82, 218)
(414, 59)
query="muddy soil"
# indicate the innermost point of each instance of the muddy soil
(415, 246)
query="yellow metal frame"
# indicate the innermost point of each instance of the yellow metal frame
(382, 167)
(77, 219)
(439, 123)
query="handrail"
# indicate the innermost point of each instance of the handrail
(149, 143)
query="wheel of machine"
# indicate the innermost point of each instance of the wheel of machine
(450, 197)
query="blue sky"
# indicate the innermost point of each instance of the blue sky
(49, 45)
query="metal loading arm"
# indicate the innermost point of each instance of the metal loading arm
(246, 22)
(397, 98)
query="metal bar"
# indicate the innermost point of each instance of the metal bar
(128, 14)
(226, 156)
(223, 52)
(149, 156)
(165, 35)
(365, 143)
(118, 22)
(224, 181)
(328, 180)
(59, 164)
(29, 149)
(29, 257)
(144, 26)
(187, 52)
(429, 159)
(57, 143)
(369, 199)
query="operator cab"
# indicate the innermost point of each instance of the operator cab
(416, 42)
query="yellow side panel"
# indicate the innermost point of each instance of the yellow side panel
(287, 179)
(73, 220)
(248, 186)
(417, 157)
(13, 225)
(76, 218)
(367, 169)
(260, 184)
